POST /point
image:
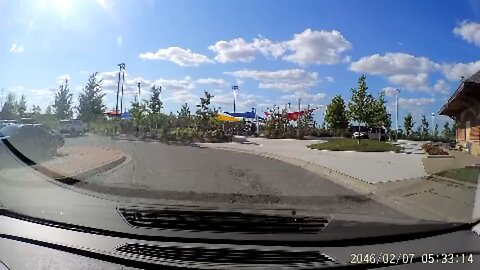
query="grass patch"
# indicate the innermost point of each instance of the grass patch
(352, 145)
(468, 175)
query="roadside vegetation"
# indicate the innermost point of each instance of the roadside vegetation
(345, 144)
(148, 120)
(468, 174)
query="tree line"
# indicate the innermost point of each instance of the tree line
(90, 103)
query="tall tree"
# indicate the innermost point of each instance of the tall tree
(360, 107)
(425, 126)
(446, 131)
(408, 124)
(91, 106)
(336, 114)
(453, 131)
(22, 106)
(63, 102)
(9, 108)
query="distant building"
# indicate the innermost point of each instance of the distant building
(464, 107)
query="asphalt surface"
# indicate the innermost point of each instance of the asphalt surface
(172, 172)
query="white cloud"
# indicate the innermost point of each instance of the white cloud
(130, 86)
(61, 79)
(269, 48)
(119, 41)
(183, 96)
(410, 81)
(308, 47)
(240, 82)
(415, 102)
(329, 79)
(316, 47)
(389, 91)
(212, 81)
(307, 98)
(441, 86)
(469, 31)
(177, 55)
(15, 48)
(286, 80)
(393, 64)
(455, 71)
(234, 50)
(244, 102)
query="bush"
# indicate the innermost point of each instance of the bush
(432, 149)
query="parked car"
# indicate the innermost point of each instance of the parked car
(33, 141)
(72, 127)
(360, 135)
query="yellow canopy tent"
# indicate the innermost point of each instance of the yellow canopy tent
(227, 118)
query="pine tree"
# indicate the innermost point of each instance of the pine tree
(63, 102)
(9, 108)
(22, 106)
(91, 106)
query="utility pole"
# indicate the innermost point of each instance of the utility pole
(235, 89)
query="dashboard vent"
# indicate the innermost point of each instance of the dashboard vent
(214, 221)
(227, 256)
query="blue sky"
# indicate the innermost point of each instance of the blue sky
(275, 51)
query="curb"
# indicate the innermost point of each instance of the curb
(396, 202)
(74, 179)
(450, 180)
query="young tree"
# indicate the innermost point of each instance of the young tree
(90, 101)
(435, 131)
(138, 112)
(204, 114)
(36, 110)
(155, 104)
(184, 115)
(22, 106)
(48, 110)
(9, 108)
(336, 114)
(380, 115)
(361, 104)
(63, 102)
(425, 126)
(408, 124)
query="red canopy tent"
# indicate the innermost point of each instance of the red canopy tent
(292, 116)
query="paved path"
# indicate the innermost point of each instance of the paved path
(369, 167)
(198, 174)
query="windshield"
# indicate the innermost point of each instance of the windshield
(326, 109)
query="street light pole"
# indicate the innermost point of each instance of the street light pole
(298, 119)
(397, 91)
(234, 88)
(433, 123)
